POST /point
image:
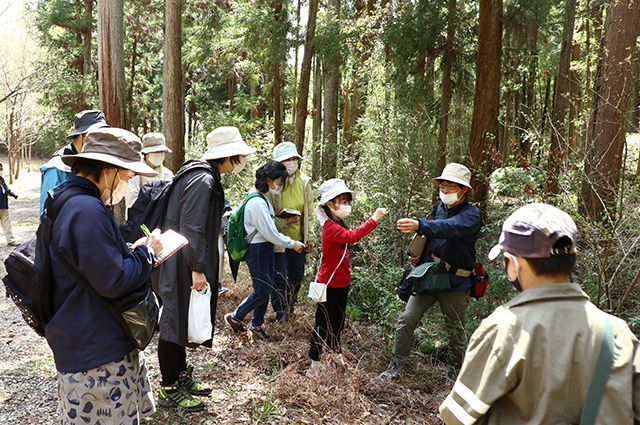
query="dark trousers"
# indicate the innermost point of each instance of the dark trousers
(330, 317)
(289, 267)
(173, 360)
(261, 267)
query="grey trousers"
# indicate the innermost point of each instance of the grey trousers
(454, 307)
(6, 225)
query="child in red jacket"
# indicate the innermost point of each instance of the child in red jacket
(334, 206)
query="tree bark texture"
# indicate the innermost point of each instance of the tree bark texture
(111, 83)
(331, 97)
(173, 93)
(316, 129)
(445, 101)
(612, 91)
(277, 40)
(305, 77)
(561, 102)
(484, 124)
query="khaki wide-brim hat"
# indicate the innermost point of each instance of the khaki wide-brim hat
(154, 142)
(114, 146)
(455, 173)
(225, 142)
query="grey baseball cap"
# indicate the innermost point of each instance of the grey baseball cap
(533, 230)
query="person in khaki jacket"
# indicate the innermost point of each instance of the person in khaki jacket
(532, 360)
(296, 195)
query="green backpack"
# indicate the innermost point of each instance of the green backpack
(237, 244)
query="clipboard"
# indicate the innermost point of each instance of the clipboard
(172, 242)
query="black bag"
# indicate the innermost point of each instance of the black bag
(479, 281)
(406, 288)
(137, 313)
(152, 202)
(28, 279)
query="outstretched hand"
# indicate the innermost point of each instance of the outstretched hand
(380, 212)
(407, 225)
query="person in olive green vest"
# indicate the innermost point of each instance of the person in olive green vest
(296, 197)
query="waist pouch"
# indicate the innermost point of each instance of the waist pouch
(428, 278)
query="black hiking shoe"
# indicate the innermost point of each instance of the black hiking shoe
(258, 331)
(392, 372)
(236, 325)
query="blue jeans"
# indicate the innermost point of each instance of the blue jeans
(289, 273)
(261, 267)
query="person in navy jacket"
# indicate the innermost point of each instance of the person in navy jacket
(4, 211)
(452, 228)
(102, 376)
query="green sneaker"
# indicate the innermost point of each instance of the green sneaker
(177, 396)
(192, 386)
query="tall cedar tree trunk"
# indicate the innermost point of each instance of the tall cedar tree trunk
(445, 103)
(486, 102)
(111, 83)
(305, 77)
(316, 130)
(612, 91)
(277, 96)
(561, 102)
(173, 94)
(331, 96)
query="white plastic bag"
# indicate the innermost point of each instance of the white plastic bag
(200, 327)
(318, 292)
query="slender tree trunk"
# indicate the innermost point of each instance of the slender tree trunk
(486, 103)
(88, 13)
(277, 58)
(134, 56)
(316, 132)
(576, 102)
(613, 86)
(305, 77)
(331, 99)
(111, 84)
(445, 103)
(561, 102)
(173, 93)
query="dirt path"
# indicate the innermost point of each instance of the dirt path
(253, 382)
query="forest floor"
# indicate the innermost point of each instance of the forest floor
(254, 382)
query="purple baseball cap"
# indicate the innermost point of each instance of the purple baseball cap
(532, 231)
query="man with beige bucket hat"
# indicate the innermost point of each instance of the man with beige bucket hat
(452, 228)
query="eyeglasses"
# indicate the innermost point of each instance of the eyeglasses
(449, 186)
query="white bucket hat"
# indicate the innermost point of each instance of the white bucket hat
(114, 146)
(284, 151)
(154, 142)
(455, 173)
(328, 191)
(225, 142)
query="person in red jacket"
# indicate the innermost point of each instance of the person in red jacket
(334, 207)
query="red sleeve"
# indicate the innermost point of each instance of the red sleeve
(338, 234)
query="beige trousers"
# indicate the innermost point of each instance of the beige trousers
(6, 225)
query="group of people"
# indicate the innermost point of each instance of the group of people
(538, 349)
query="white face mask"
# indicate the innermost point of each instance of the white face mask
(277, 190)
(449, 198)
(155, 159)
(112, 197)
(240, 166)
(291, 166)
(342, 211)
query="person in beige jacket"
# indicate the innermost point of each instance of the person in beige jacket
(297, 195)
(532, 360)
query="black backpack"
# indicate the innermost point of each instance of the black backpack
(28, 279)
(151, 205)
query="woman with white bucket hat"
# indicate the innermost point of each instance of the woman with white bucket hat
(335, 271)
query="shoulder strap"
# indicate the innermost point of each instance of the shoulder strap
(344, 252)
(600, 374)
(53, 205)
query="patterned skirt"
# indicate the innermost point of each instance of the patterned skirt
(116, 393)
